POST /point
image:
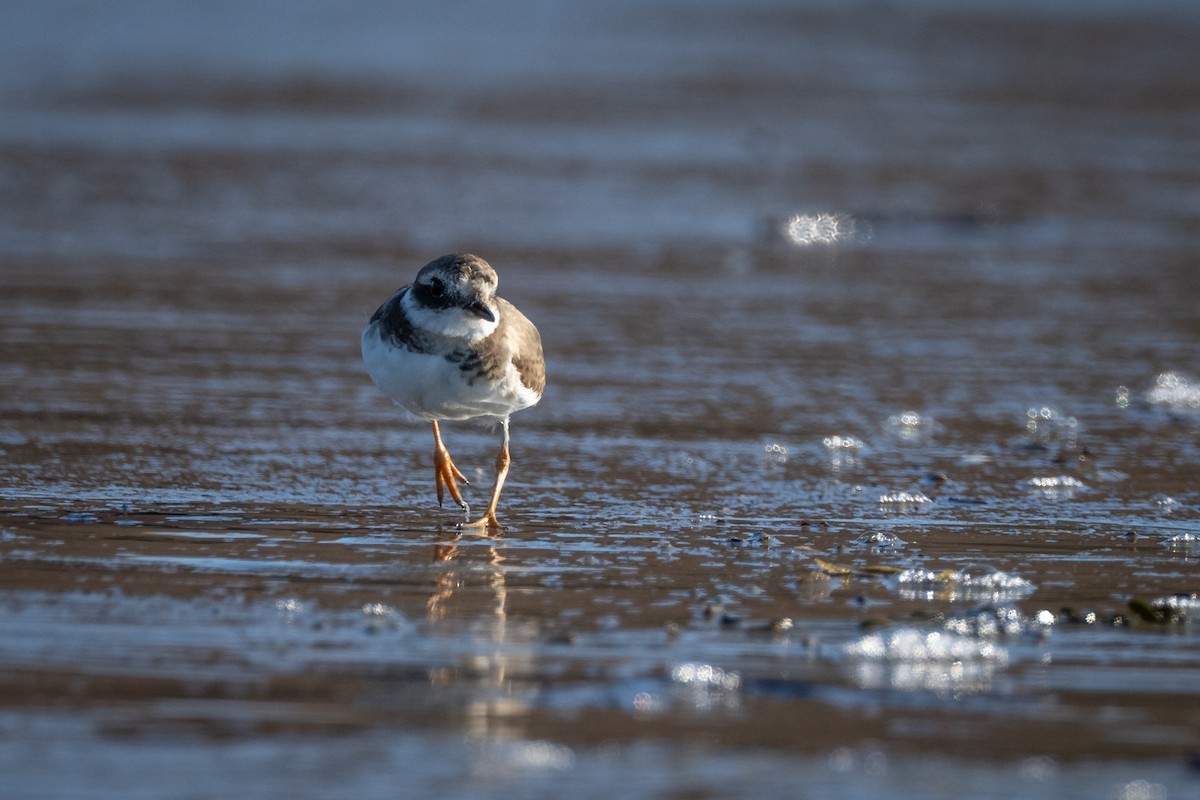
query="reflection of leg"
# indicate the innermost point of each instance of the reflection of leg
(446, 475)
(444, 552)
(488, 520)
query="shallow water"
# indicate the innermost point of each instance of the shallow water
(868, 464)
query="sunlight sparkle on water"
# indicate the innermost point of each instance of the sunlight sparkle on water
(1176, 391)
(911, 644)
(812, 229)
(706, 674)
(904, 498)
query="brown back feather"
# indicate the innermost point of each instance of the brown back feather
(525, 344)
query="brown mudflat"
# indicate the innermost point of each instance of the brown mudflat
(868, 462)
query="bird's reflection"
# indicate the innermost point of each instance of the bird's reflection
(469, 605)
(469, 567)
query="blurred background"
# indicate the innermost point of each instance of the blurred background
(198, 130)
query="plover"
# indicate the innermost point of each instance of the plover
(446, 347)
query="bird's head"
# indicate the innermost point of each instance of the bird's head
(455, 296)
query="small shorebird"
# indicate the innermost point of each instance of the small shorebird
(445, 347)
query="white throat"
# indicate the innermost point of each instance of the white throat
(453, 323)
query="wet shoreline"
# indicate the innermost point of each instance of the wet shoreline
(867, 464)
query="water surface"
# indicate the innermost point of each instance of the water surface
(868, 465)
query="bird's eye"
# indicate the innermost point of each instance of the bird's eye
(436, 287)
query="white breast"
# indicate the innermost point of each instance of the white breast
(431, 387)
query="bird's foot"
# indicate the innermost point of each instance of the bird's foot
(447, 478)
(488, 521)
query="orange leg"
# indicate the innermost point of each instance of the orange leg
(446, 475)
(489, 520)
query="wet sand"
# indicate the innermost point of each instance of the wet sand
(868, 464)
